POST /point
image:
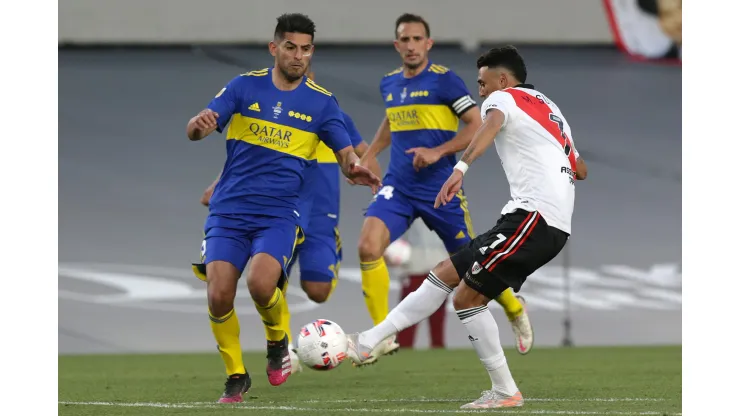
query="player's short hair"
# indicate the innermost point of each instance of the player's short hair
(411, 18)
(294, 23)
(506, 57)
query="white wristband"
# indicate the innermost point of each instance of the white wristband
(462, 167)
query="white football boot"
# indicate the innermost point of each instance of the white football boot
(492, 400)
(523, 332)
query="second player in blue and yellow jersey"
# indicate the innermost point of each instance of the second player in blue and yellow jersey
(424, 104)
(320, 253)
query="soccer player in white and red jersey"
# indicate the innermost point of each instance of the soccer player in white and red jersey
(533, 140)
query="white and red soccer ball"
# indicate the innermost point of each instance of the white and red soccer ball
(398, 253)
(322, 345)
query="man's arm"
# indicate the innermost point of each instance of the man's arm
(203, 124)
(361, 149)
(381, 140)
(346, 158)
(205, 199)
(372, 164)
(581, 169)
(352, 170)
(218, 112)
(483, 137)
(462, 140)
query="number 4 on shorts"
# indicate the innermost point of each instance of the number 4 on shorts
(500, 239)
(386, 192)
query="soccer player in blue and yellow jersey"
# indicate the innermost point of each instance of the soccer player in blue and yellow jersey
(320, 253)
(424, 103)
(278, 118)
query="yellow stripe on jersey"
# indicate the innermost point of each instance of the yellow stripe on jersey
(316, 87)
(278, 137)
(438, 69)
(422, 117)
(394, 72)
(324, 154)
(257, 73)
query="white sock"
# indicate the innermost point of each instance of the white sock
(414, 308)
(483, 334)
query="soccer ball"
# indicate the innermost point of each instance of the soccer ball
(322, 345)
(398, 253)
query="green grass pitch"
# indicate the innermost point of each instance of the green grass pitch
(574, 381)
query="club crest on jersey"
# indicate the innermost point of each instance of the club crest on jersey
(476, 268)
(277, 110)
(403, 95)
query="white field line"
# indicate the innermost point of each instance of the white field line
(464, 400)
(354, 410)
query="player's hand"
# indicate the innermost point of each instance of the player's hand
(449, 189)
(360, 175)
(424, 156)
(206, 120)
(371, 164)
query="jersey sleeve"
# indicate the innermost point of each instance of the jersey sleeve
(333, 131)
(226, 102)
(501, 101)
(455, 94)
(354, 135)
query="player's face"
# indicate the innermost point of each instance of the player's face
(491, 80)
(292, 54)
(412, 44)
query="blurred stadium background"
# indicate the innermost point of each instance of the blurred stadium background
(131, 73)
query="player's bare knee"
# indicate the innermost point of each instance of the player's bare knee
(222, 280)
(370, 248)
(374, 239)
(220, 299)
(317, 291)
(466, 298)
(264, 273)
(260, 289)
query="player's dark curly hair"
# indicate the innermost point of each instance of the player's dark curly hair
(294, 23)
(411, 18)
(506, 57)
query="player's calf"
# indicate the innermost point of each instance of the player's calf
(472, 310)
(264, 273)
(222, 281)
(374, 239)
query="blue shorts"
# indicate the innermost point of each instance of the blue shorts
(319, 255)
(237, 240)
(397, 210)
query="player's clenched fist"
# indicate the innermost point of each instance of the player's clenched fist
(202, 124)
(206, 120)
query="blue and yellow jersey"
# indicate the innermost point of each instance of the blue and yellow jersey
(272, 139)
(423, 111)
(319, 205)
